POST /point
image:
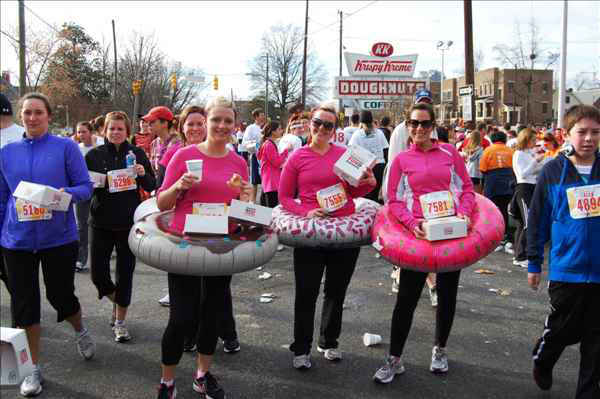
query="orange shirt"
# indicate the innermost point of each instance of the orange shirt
(496, 156)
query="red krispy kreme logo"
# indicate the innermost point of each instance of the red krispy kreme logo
(250, 212)
(382, 49)
(354, 162)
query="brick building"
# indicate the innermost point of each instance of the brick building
(502, 95)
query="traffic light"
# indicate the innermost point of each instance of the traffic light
(216, 83)
(136, 87)
(173, 80)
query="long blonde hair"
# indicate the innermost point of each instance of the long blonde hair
(474, 141)
(525, 137)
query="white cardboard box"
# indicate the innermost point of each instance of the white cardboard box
(445, 228)
(250, 212)
(99, 179)
(353, 163)
(202, 224)
(15, 356)
(44, 196)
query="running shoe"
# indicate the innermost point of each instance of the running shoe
(433, 296)
(542, 377)
(86, 346)
(280, 247)
(79, 267)
(395, 286)
(508, 248)
(209, 387)
(521, 263)
(121, 333)
(302, 362)
(331, 354)
(32, 384)
(164, 301)
(439, 360)
(231, 346)
(165, 392)
(393, 366)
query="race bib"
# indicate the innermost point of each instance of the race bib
(437, 204)
(121, 180)
(28, 212)
(332, 198)
(205, 209)
(584, 202)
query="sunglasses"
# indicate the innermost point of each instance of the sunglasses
(415, 123)
(318, 123)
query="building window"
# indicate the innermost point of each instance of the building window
(479, 110)
(544, 108)
(545, 87)
(510, 87)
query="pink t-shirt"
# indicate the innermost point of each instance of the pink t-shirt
(213, 186)
(169, 154)
(307, 172)
(271, 162)
(416, 172)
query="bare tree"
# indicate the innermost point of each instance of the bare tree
(478, 59)
(283, 45)
(39, 45)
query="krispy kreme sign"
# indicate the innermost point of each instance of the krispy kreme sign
(379, 88)
(369, 65)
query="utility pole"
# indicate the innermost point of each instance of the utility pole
(340, 101)
(267, 90)
(563, 67)
(304, 59)
(22, 77)
(115, 52)
(136, 93)
(469, 65)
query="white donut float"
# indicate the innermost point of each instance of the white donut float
(332, 232)
(154, 244)
(144, 209)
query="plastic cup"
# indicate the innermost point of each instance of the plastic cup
(371, 339)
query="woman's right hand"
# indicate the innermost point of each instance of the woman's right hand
(185, 182)
(317, 213)
(418, 230)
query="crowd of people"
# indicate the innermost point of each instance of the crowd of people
(544, 182)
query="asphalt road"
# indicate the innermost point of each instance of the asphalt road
(489, 349)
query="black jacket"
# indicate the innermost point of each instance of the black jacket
(114, 211)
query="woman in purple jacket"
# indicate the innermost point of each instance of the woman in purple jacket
(31, 234)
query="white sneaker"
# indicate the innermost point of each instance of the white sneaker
(499, 248)
(508, 248)
(164, 301)
(433, 296)
(86, 346)
(121, 333)
(79, 266)
(280, 247)
(393, 366)
(521, 263)
(439, 360)
(377, 255)
(32, 385)
(331, 354)
(302, 362)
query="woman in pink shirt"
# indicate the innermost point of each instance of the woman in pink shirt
(271, 162)
(191, 129)
(308, 170)
(199, 300)
(427, 166)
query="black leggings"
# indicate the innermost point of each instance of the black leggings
(502, 201)
(378, 172)
(271, 199)
(524, 193)
(58, 269)
(195, 302)
(309, 265)
(103, 242)
(409, 292)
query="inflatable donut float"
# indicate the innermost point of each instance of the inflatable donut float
(335, 232)
(400, 247)
(245, 248)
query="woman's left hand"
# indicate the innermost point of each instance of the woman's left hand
(139, 169)
(368, 178)
(466, 218)
(245, 191)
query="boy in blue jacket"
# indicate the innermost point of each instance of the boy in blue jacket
(565, 210)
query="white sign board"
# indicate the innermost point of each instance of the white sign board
(369, 65)
(467, 112)
(375, 88)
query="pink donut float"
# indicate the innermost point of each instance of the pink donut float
(400, 247)
(339, 232)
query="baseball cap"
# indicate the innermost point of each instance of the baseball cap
(5, 107)
(161, 112)
(423, 94)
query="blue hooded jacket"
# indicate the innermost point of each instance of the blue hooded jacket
(575, 243)
(48, 160)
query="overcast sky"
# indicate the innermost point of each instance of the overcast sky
(221, 37)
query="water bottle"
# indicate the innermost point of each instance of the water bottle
(130, 159)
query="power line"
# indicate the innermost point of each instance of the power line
(348, 15)
(42, 19)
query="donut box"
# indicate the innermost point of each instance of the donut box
(445, 228)
(44, 196)
(353, 163)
